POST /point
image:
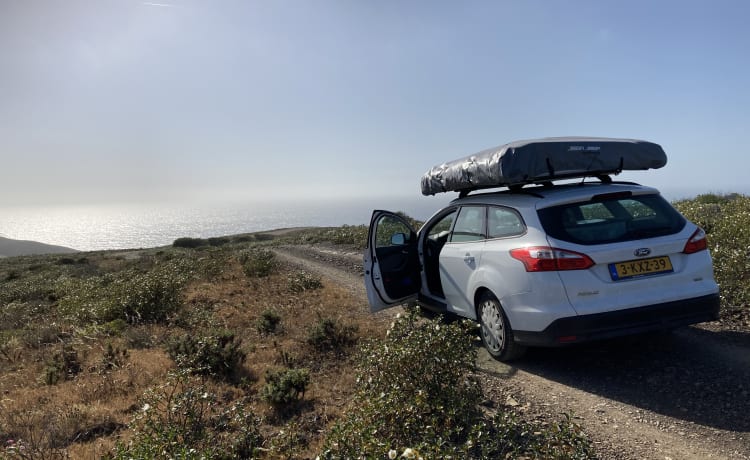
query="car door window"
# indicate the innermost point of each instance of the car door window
(503, 222)
(469, 224)
(391, 232)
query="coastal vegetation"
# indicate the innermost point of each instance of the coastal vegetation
(217, 348)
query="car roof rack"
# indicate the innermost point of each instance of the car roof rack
(520, 188)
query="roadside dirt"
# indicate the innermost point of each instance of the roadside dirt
(684, 395)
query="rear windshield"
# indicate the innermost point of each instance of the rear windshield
(611, 218)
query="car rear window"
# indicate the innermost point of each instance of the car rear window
(611, 218)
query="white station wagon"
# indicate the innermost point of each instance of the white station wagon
(547, 264)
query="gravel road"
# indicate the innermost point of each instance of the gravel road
(684, 395)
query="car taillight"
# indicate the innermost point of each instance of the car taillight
(697, 242)
(545, 259)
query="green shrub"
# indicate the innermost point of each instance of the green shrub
(258, 262)
(289, 441)
(263, 237)
(346, 235)
(182, 419)
(712, 198)
(130, 295)
(242, 239)
(36, 287)
(727, 225)
(301, 281)
(190, 243)
(64, 365)
(16, 315)
(415, 388)
(330, 335)
(416, 396)
(219, 241)
(11, 348)
(138, 337)
(219, 354)
(285, 387)
(115, 327)
(113, 357)
(34, 433)
(268, 322)
(40, 335)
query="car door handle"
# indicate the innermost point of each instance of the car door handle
(468, 258)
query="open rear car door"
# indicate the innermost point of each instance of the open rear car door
(391, 261)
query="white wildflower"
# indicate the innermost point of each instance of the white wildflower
(409, 453)
(392, 454)
(146, 407)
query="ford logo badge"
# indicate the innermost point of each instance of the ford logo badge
(642, 252)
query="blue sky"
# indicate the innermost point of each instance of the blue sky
(127, 100)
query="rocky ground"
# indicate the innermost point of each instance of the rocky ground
(684, 395)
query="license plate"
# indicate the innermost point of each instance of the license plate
(640, 267)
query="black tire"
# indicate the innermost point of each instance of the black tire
(495, 331)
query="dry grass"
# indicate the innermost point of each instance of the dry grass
(86, 414)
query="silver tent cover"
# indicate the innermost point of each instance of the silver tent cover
(542, 160)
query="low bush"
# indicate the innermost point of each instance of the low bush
(330, 335)
(351, 235)
(219, 354)
(113, 357)
(417, 397)
(268, 322)
(182, 419)
(63, 365)
(219, 241)
(34, 288)
(11, 348)
(301, 281)
(726, 220)
(263, 237)
(258, 262)
(44, 434)
(190, 243)
(285, 387)
(130, 295)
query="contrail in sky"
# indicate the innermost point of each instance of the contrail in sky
(157, 4)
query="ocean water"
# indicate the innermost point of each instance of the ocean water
(143, 225)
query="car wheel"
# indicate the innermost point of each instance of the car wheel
(495, 330)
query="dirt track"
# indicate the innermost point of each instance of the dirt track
(685, 395)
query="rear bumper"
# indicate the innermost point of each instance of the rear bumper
(575, 329)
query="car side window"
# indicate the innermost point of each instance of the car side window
(469, 225)
(442, 227)
(503, 222)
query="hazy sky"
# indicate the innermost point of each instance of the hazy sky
(128, 100)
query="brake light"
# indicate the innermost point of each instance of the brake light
(697, 242)
(546, 259)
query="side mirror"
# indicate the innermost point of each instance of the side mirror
(398, 239)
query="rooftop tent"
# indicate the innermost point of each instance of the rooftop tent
(542, 160)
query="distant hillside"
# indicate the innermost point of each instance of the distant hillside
(11, 248)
